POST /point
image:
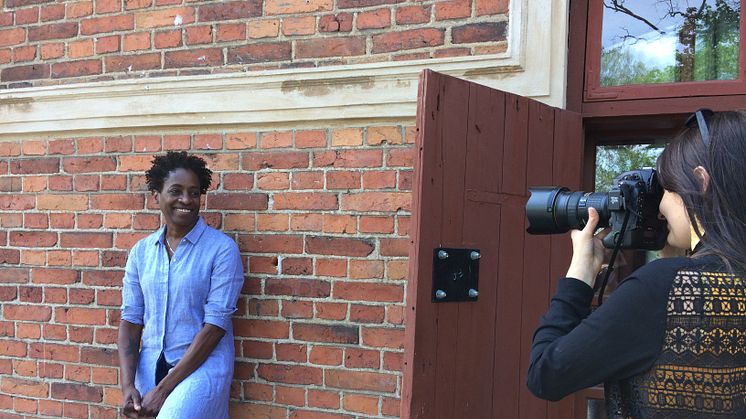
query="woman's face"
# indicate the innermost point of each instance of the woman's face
(179, 199)
(679, 227)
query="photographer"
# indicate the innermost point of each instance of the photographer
(671, 340)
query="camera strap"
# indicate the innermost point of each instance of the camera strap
(614, 253)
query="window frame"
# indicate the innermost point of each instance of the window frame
(594, 92)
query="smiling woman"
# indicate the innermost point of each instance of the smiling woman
(180, 289)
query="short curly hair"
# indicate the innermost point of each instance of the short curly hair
(163, 165)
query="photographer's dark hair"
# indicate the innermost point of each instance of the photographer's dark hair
(163, 165)
(721, 209)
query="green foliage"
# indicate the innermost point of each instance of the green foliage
(613, 160)
(715, 50)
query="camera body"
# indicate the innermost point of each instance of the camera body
(636, 195)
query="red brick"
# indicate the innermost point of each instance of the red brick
(136, 41)
(27, 313)
(291, 352)
(65, 202)
(393, 361)
(338, 246)
(79, 9)
(25, 72)
(54, 276)
(196, 35)
(479, 32)
(261, 328)
(26, 16)
(290, 396)
(368, 292)
(358, 380)
(323, 399)
(340, 22)
(99, 278)
(13, 36)
(35, 166)
(374, 19)
(30, 294)
(60, 183)
(297, 309)
(413, 14)
(48, 31)
(258, 350)
(290, 374)
(492, 7)
(107, 6)
(65, 391)
(62, 220)
(348, 158)
(164, 17)
(33, 238)
(50, 51)
(137, 4)
(331, 267)
(360, 403)
(209, 57)
(231, 32)
(377, 201)
(89, 145)
(86, 240)
(73, 315)
(12, 348)
(303, 25)
(374, 224)
(348, 4)
(105, 24)
(308, 180)
(22, 405)
(409, 39)
(29, 388)
(453, 9)
(137, 62)
(262, 264)
(16, 202)
(342, 180)
(260, 52)
(99, 356)
(330, 47)
(168, 39)
(230, 10)
(298, 287)
(117, 202)
(89, 164)
(50, 408)
(339, 333)
(11, 184)
(237, 201)
(366, 314)
(305, 201)
(77, 68)
(274, 160)
(240, 141)
(383, 337)
(10, 256)
(27, 53)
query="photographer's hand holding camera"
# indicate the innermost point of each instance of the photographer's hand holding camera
(671, 340)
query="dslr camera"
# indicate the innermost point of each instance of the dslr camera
(630, 208)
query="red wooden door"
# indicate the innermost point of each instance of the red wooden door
(478, 151)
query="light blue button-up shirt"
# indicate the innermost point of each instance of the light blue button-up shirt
(173, 300)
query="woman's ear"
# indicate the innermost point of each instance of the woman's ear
(704, 177)
(156, 195)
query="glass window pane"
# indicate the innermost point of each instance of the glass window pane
(596, 409)
(665, 41)
(612, 160)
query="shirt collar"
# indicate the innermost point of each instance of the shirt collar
(192, 237)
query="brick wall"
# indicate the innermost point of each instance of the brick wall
(322, 217)
(54, 41)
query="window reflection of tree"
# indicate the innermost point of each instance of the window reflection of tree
(708, 40)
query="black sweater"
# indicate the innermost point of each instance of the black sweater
(574, 349)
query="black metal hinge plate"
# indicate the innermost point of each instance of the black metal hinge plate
(455, 274)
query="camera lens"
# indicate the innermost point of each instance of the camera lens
(552, 210)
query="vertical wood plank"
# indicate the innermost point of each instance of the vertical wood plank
(507, 353)
(455, 108)
(421, 331)
(567, 171)
(537, 249)
(473, 383)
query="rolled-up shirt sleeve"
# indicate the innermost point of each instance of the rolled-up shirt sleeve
(133, 302)
(226, 282)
